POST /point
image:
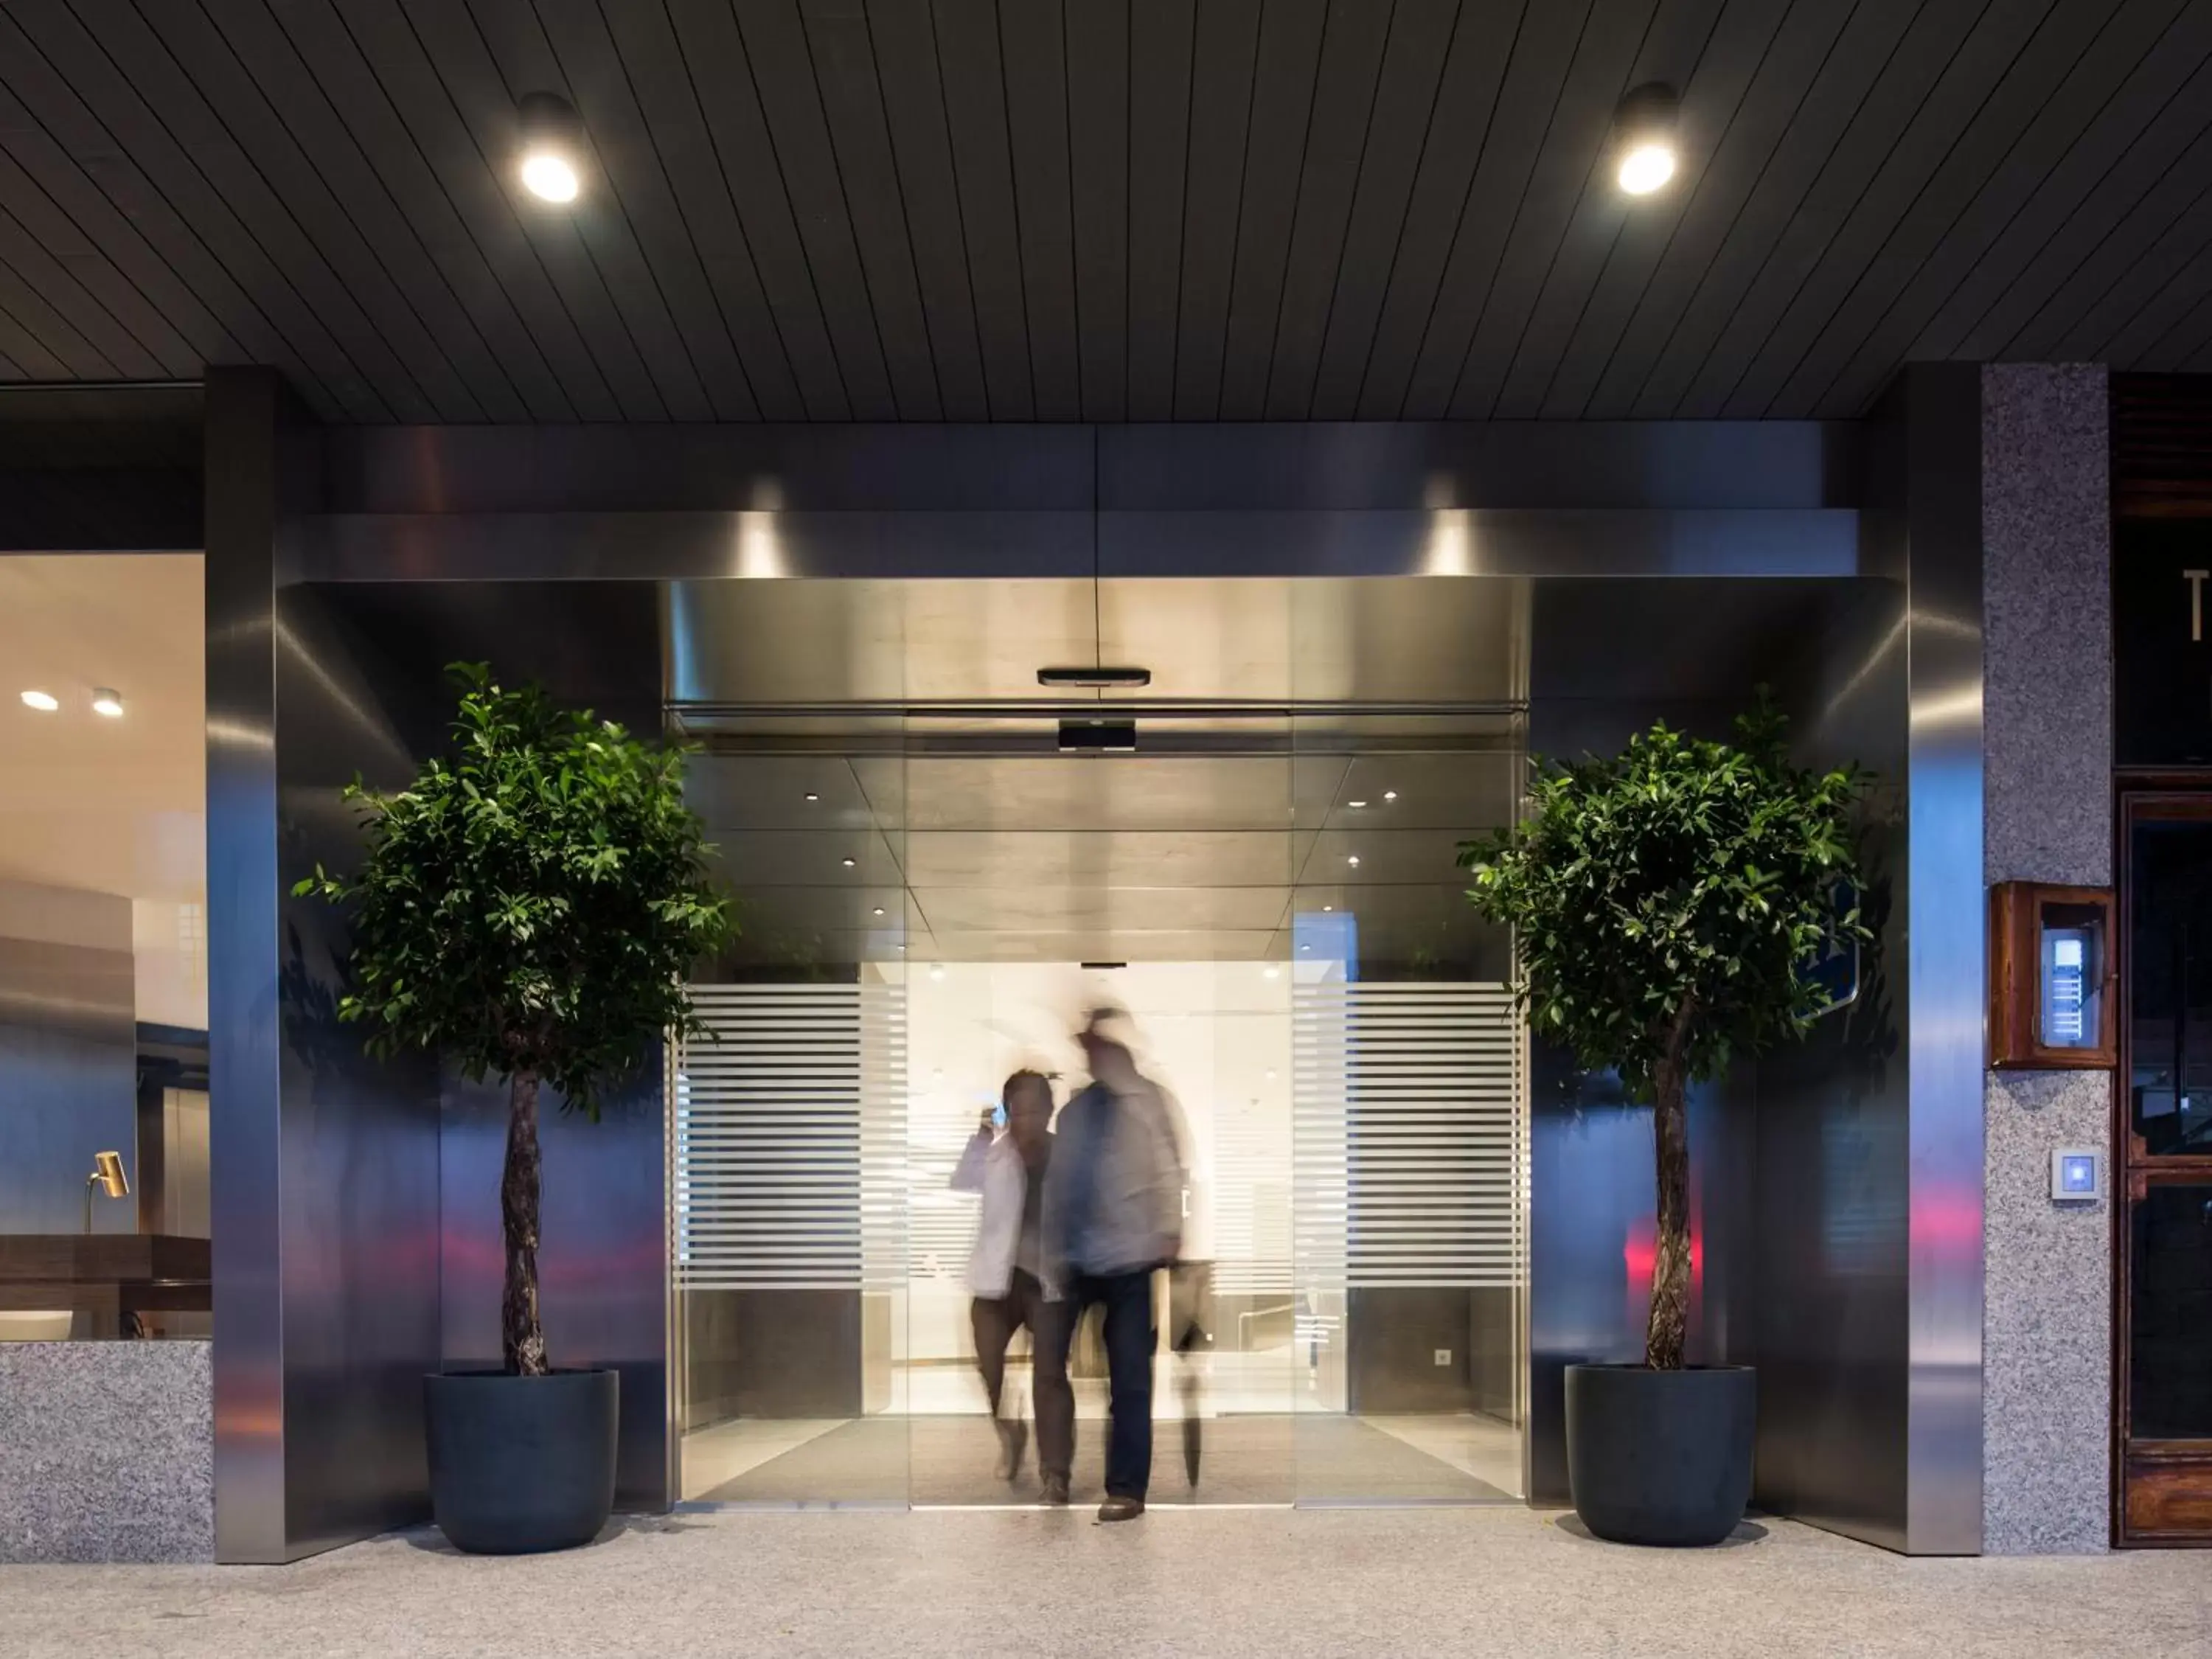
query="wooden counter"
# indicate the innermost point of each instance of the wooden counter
(108, 1278)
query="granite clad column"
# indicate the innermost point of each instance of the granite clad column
(2046, 533)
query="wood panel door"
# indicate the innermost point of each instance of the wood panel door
(2163, 1111)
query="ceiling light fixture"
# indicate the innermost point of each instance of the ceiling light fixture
(45, 702)
(1353, 861)
(811, 795)
(1326, 908)
(1271, 972)
(848, 863)
(1643, 138)
(106, 701)
(1355, 804)
(937, 970)
(1389, 794)
(879, 909)
(552, 144)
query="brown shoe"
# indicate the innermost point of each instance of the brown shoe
(1055, 1489)
(1120, 1509)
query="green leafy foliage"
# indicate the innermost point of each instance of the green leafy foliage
(531, 905)
(1672, 895)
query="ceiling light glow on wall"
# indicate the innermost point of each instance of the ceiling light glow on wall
(1644, 155)
(106, 701)
(552, 142)
(45, 702)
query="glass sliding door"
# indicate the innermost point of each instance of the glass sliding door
(1053, 884)
(1410, 1197)
(787, 1182)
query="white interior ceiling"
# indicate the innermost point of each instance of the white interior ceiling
(105, 806)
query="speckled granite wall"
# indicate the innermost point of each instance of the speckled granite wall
(2046, 1322)
(106, 1451)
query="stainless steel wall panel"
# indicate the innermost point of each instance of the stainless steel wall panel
(1942, 413)
(358, 1166)
(371, 660)
(1333, 465)
(1482, 542)
(1832, 1276)
(695, 546)
(246, 410)
(690, 546)
(1152, 467)
(323, 1167)
(601, 1261)
(493, 470)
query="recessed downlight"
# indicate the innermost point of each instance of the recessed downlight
(108, 701)
(1271, 972)
(937, 970)
(1644, 151)
(1389, 794)
(1355, 804)
(1353, 861)
(548, 176)
(879, 909)
(552, 148)
(45, 702)
(848, 863)
(812, 796)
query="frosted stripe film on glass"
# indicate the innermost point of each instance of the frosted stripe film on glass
(789, 1163)
(1410, 1155)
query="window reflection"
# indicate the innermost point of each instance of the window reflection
(2170, 1036)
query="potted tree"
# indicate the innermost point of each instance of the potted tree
(1666, 904)
(527, 908)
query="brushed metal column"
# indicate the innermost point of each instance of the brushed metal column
(244, 410)
(325, 1165)
(1942, 419)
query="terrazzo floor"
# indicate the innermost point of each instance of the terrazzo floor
(933, 1460)
(1506, 1580)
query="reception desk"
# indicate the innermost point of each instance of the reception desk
(103, 1280)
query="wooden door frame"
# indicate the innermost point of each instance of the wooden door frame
(2167, 796)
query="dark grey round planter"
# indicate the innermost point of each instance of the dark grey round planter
(1660, 1458)
(521, 1464)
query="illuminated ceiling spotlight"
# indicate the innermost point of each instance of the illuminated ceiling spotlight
(552, 147)
(45, 702)
(1644, 154)
(108, 701)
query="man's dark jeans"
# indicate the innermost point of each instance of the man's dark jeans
(1131, 1338)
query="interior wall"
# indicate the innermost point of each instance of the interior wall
(68, 1056)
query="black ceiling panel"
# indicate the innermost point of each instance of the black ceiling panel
(1098, 209)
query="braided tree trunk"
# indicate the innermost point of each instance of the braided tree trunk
(520, 1336)
(1670, 1268)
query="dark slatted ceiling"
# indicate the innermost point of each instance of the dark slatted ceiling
(1099, 210)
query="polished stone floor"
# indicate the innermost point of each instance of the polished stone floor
(1505, 1581)
(930, 1462)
